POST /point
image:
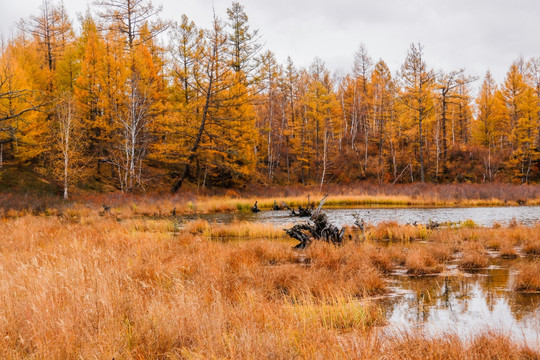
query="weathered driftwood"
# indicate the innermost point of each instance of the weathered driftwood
(255, 208)
(321, 229)
(432, 225)
(360, 223)
(305, 211)
(299, 233)
(282, 206)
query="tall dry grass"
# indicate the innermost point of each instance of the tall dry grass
(420, 261)
(130, 290)
(236, 230)
(96, 288)
(528, 278)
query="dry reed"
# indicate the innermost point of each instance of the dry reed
(92, 287)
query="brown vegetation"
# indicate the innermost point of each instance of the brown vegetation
(92, 287)
(219, 200)
(531, 245)
(528, 278)
(474, 258)
(420, 261)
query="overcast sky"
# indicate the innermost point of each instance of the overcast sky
(475, 34)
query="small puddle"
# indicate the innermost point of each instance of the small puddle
(463, 304)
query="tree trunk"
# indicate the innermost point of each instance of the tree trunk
(444, 145)
(198, 139)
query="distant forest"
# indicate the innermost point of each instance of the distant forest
(125, 99)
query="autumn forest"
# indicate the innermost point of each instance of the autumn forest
(124, 99)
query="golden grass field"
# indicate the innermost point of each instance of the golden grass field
(85, 286)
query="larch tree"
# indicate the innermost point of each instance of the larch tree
(223, 126)
(383, 93)
(272, 111)
(487, 126)
(290, 93)
(90, 89)
(135, 20)
(362, 67)
(175, 130)
(534, 78)
(243, 43)
(17, 103)
(461, 126)
(322, 114)
(512, 92)
(44, 40)
(524, 136)
(51, 31)
(302, 128)
(447, 83)
(418, 82)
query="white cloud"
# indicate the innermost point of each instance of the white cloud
(477, 35)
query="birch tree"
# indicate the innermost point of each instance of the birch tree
(67, 136)
(134, 23)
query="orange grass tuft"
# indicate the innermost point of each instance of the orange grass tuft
(528, 278)
(420, 261)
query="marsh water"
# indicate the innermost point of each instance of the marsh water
(463, 304)
(485, 216)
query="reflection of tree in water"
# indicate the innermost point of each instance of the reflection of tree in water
(523, 306)
(498, 285)
(425, 292)
(494, 285)
(425, 295)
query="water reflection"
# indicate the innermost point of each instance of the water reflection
(464, 304)
(485, 216)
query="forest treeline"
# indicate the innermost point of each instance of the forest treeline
(125, 98)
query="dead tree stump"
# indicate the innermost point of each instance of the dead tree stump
(321, 229)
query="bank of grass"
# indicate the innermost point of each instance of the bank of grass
(93, 287)
(15, 201)
(236, 230)
(209, 204)
(487, 345)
